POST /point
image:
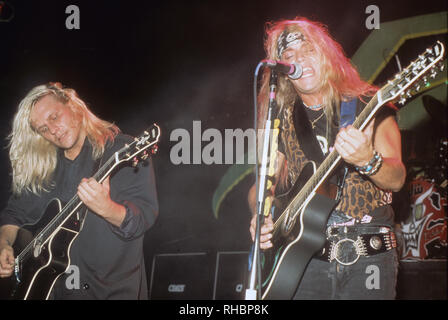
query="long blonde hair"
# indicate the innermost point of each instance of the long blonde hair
(341, 79)
(34, 159)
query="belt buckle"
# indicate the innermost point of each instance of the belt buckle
(353, 249)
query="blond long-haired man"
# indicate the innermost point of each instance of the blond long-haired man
(55, 145)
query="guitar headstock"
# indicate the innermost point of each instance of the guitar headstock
(416, 75)
(142, 146)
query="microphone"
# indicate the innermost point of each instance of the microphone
(293, 71)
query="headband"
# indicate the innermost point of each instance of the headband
(288, 39)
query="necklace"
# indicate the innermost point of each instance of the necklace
(313, 123)
(315, 107)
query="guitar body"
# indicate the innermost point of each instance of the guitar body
(283, 265)
(37, 273)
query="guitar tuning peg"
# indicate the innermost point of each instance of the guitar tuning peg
(402, 100)
(417, 87)
(145, 155)
(441, 66)
(134, 162)
(429, 50)
(408, 94)
(154, 149)
(433, 73)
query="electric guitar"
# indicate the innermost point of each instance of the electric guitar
(46, 256)
(299, 230)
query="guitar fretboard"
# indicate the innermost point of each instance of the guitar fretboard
(72, 206)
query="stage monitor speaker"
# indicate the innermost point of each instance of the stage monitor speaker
(183, 276)
(230, 275)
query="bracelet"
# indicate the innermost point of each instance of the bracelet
(373, 166)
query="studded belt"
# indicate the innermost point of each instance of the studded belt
(346, 244)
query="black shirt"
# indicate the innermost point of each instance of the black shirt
(318, 122)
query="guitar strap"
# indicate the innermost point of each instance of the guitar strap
(348, 113)
(348, 116)
(309, 144)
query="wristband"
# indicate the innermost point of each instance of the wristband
(373, 166)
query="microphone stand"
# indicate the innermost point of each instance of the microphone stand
(251, 292)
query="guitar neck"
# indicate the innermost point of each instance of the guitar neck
(71, 207)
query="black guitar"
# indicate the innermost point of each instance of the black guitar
(299, 230)
(46, 256)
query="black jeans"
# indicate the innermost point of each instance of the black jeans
(372, 277)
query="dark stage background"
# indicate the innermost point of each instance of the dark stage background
(170, 62)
